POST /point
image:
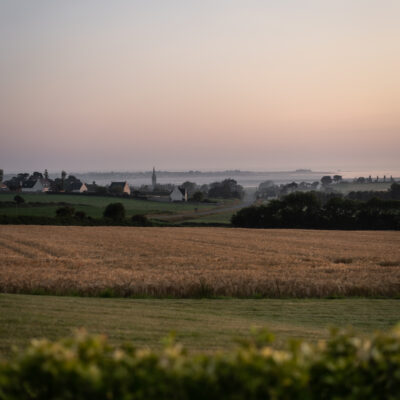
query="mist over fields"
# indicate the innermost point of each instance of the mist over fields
(244, 178)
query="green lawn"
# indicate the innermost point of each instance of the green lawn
(94, 205)
(200, 324)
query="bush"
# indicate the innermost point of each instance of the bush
(80, 215)
(115, 211)
(65, 212)
(89, 367)
(140, 220)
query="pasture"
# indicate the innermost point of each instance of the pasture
(202, 324)
(198, 262)
(94, 206)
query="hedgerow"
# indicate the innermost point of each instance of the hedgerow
(346, 366)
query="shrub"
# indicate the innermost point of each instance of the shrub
(89, 367)
(80, 215)
(140, 220)
(115, 211)
(65, 212)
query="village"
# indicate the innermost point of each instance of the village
(38, 182)
(41, 183)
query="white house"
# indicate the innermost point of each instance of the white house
(34, 186)
(178, 194)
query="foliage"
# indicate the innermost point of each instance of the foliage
(198, 196)
(89, 367)
(190, 187)
(80, 215)
(306, 210)
(227, 189)
(115, 211)
(140, 220)
(393, 193)
(65, 212)
(337, 178)
(326, 180)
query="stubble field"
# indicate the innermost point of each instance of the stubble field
(198, 262)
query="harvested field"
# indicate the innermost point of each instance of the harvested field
(198, 262)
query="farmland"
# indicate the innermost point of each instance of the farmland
(198, 262)
(94, 206)
(202, 324)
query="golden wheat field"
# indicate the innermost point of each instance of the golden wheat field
(193, 262)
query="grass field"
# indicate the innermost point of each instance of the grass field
(200, 324)
(198, 262)
(94, 206)
(222, 218)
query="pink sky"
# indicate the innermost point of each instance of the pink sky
(89, 85)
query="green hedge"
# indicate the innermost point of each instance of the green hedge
(89, 367)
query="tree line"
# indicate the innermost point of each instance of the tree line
(308, 210)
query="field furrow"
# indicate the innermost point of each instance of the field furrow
(198, 262)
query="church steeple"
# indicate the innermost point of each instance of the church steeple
(154, 179)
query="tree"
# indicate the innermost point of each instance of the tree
(395, 191)
(46, 174)
(289, 188)
(226, 189)
(326, 180)
(190, 187)
(198, 196)
(337, 178)
(1, 175)
(315, 184)
(63, 176)
(114, 211)
(37, 175)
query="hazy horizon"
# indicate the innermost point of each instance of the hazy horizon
(125, 85)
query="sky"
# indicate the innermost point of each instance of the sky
(214, 84)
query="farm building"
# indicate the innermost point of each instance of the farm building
(75, 187)
(178, 194)
(120, 187)
(34, 186)
(92, 187)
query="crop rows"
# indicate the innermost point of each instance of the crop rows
(198, 262)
